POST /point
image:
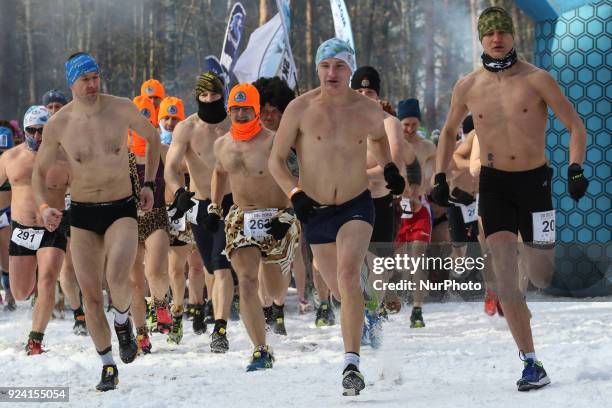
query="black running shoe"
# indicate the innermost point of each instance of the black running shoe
(209, 312)
(416, 318)
(218, 342)
(325, 315)
(110, 378)
(199, 325)
(128, 348)
(278, 325)
(352, 381)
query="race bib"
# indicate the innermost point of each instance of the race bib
(177, 225)
(469, 212)
(544, 227)
(28, 237)
(67, 201)
(192, 214)
(405, 204)
(256, 222)
(4, 220)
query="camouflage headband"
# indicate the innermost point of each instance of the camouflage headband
(494, 18)
(210, 82)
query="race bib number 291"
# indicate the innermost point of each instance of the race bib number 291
(28, 237)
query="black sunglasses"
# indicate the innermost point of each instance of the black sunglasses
(33, 130)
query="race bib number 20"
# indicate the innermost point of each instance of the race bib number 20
(544, 226)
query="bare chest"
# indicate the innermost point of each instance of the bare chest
(246, 159)
(19, 170)
(91, 142)
(201, 151)
(338, 131)
(495, 104)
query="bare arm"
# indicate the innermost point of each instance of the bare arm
(399, 147)
(379, 144)
(45, 157)
(551, 94)
(174, 158)
(462, 153)
(475, 158)
(3, 176)
(284, 139)
(144, 128)
(457, 112)
(219, 176)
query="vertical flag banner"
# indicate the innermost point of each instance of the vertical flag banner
(342, 23)
(233, 35)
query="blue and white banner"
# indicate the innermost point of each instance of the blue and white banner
(342, 23)
(233, 35)
(268, 52)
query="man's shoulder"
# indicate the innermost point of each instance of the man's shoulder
(13, 153)
(305, 99)
(112, 100)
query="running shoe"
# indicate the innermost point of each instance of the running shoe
(352, 381)
(128, 348)
(109, 379)
(262, 359)
(534, 375)
(416, 318)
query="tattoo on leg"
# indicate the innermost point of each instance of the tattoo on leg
(490, 159)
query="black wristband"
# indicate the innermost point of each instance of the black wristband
(150, 184)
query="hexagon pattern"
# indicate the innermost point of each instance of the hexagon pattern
(575, 49)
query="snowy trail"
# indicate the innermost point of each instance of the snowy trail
(463, 358)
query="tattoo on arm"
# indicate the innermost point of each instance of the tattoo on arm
(490, 159)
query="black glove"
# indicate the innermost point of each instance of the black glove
(462, 197)
(182, 203)
(278, 229)
(440, 191)
(395, 182)
(211, 222)
(577, 183)
(304, 206)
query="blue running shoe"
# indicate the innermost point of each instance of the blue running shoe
(534, 376)
(365, 333)
(262, 359)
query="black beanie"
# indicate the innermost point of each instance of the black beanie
(408, 108)
(54, 96)
(366, 77)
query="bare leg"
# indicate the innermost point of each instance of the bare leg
(49, 265)
(156, 263)
(139, 284)
(69, 282)
(196, 279)
(177, 261)
(223, 294)
(245, 262)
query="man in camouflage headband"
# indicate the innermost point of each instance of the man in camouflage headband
(193, 141)
(509, 101)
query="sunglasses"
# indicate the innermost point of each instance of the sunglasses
(32, 130)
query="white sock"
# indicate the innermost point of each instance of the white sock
(121, 317)
(351, 358)
(107, 356)
(531, 355)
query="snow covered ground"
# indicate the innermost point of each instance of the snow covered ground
(463, 358)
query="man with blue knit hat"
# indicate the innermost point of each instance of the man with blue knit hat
(415, 226)
(510, 100)
(54, 100)
(331, 128)
(91, 130)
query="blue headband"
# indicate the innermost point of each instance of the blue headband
(336, 48)
(6, 138)
(80, 65)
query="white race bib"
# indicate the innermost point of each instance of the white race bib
(469, 212)
(28, 237)
(4, 220)
(192, 214)
(67, 201)
(405, 204)
(544, 227)
(256, 222)
(178, 225)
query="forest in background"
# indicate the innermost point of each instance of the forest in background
(420, 47)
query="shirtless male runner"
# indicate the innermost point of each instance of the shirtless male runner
(193, 141)
(416, 220)
(330, 128)
(366, 81)
(509, 98)
(259, 226)
(31, 245)
(92, 130)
